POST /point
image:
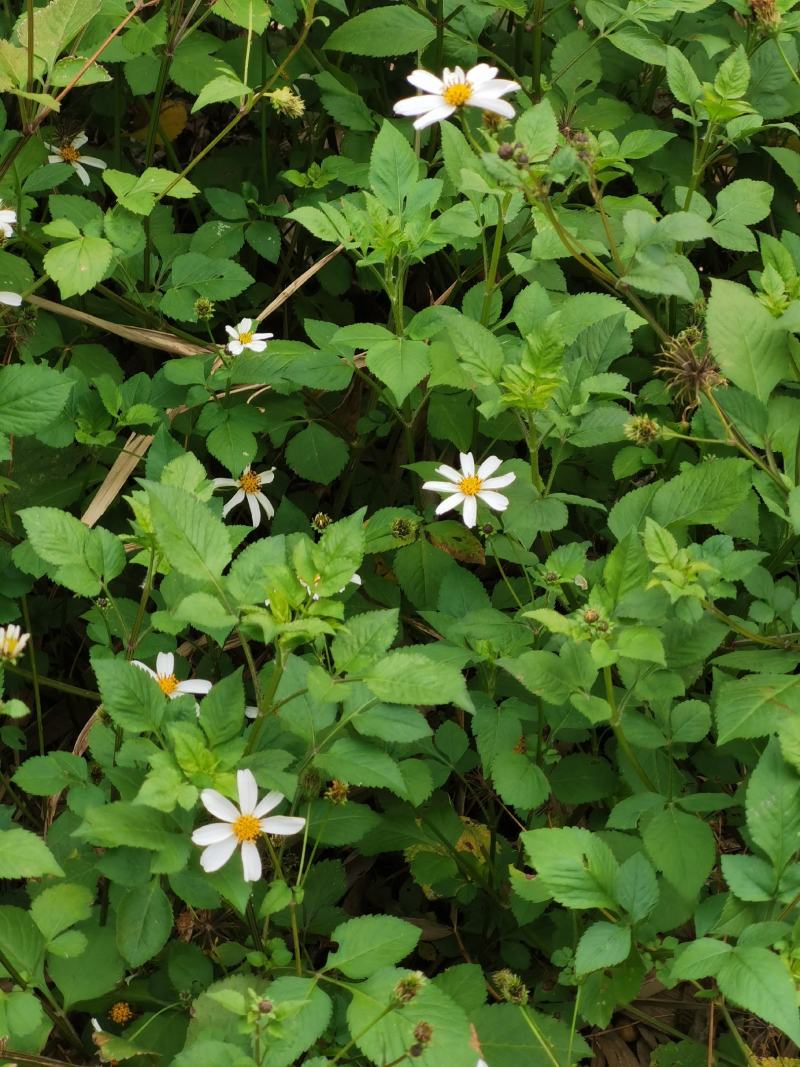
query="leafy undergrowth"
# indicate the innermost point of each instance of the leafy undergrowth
(400, 510)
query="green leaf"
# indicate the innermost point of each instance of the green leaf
(139, 194)
(575, 867)
(24, 855)
(369, 943)
(406, 677)
(364, 639)
(97, 970)
(739, 205)
(602, 945)
(382, 31)
(144, 923)
(78, 265)
(636, 887)
(42, 776)
(707, 493)
(401, 364)
(393, 166)
(20, 939)
(54, 26)
(61, 906)
(756, 705)
(733, 76)
(749, 346)
(773, 806)
(223, 87)
(682, 847)
(130, 696)
(511, 1036)
(519, 781)
(192, 539)
(357, 762)
(316, 454)
(31, 398)
(759, 981)
(537, 130)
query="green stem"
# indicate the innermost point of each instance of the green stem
(497, 247)
(37, 694)
(749, 1058)
(54, 683)
(619, 733)
(536, 52)
(265, 704)
(547, 1048)
(252, 922)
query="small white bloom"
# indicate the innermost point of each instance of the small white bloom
(12, 642)
(241, 826)
(441, 97)
(164, 674)
(242, 337)
(12, 299)
(69, 152)
(355, 580)
(468, 486)
(248, 486)
(8, 220)
(251, 711)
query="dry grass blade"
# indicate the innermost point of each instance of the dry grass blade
(298, 283)
(121, 469)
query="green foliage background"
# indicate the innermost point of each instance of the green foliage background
(549, 765)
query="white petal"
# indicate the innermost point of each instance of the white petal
(229, 330)
(213, 833)
(269, 510)
(138, 663)
(427, 82)
(437, 115)
(418, 105)
(220, 483)
(263, 336)
(439, 487)
(219, 805)
(82, 173)
(194, 685)
(267, 476)
(237, 498)
(282, 824)
(245, 325)
(467, 463)
(165, 664)
(93, 161)
(257, 346)
(11, 299)
(499, 87)
(481, 73)
(251, 862)
(496, 501)
(251, 711)
(267, 803)
(55, 158)
(80, 140)
(450, 502)
(247, 788)
(500, 482)
(450, 472)
(235, 348)
(488, 467)
(356, 580)
(6, 229)
(255, 514)
(216, 856)
(470, 512)
(488, 103)
(7, 215)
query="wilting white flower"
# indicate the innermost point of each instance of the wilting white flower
(12, 642)
(164, 674)
(241, 826)
(70, 153)
(12, 299)
(8, 220)
(248, 486)
(242, 337)
(441, 97)
(468, 486)
(355, 580)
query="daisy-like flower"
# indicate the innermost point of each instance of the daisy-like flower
(248, 487)
(468, 486)
(242, 337)
(168, 683)
(12, 643)
(8, 220)
(241, 826)
(70, 152)
(13, 300)
(442, 97)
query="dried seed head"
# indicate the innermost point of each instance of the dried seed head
(287, 102)
(642, 429)
(765, 13)
(423, 1032)
(688, 367)
(203, 308)
(510, 986)
(408, 987)
(337, 792)
(321, 521)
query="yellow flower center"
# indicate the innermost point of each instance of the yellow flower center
(471, 485)
(457, 94)
(69, 154)
(120, 1013)
(246, 828)
(168, 683)
(245, 338)
(10, 646)
(250, 482)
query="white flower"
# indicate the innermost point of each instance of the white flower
(249, 486)
(12, 642)
(164, 674)
(241, 826)
(468, 486)
(70, 153)
(12, 299)
(479, 87)
(251, 711)
(242, 337)
(355, 580)
(8, 220)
